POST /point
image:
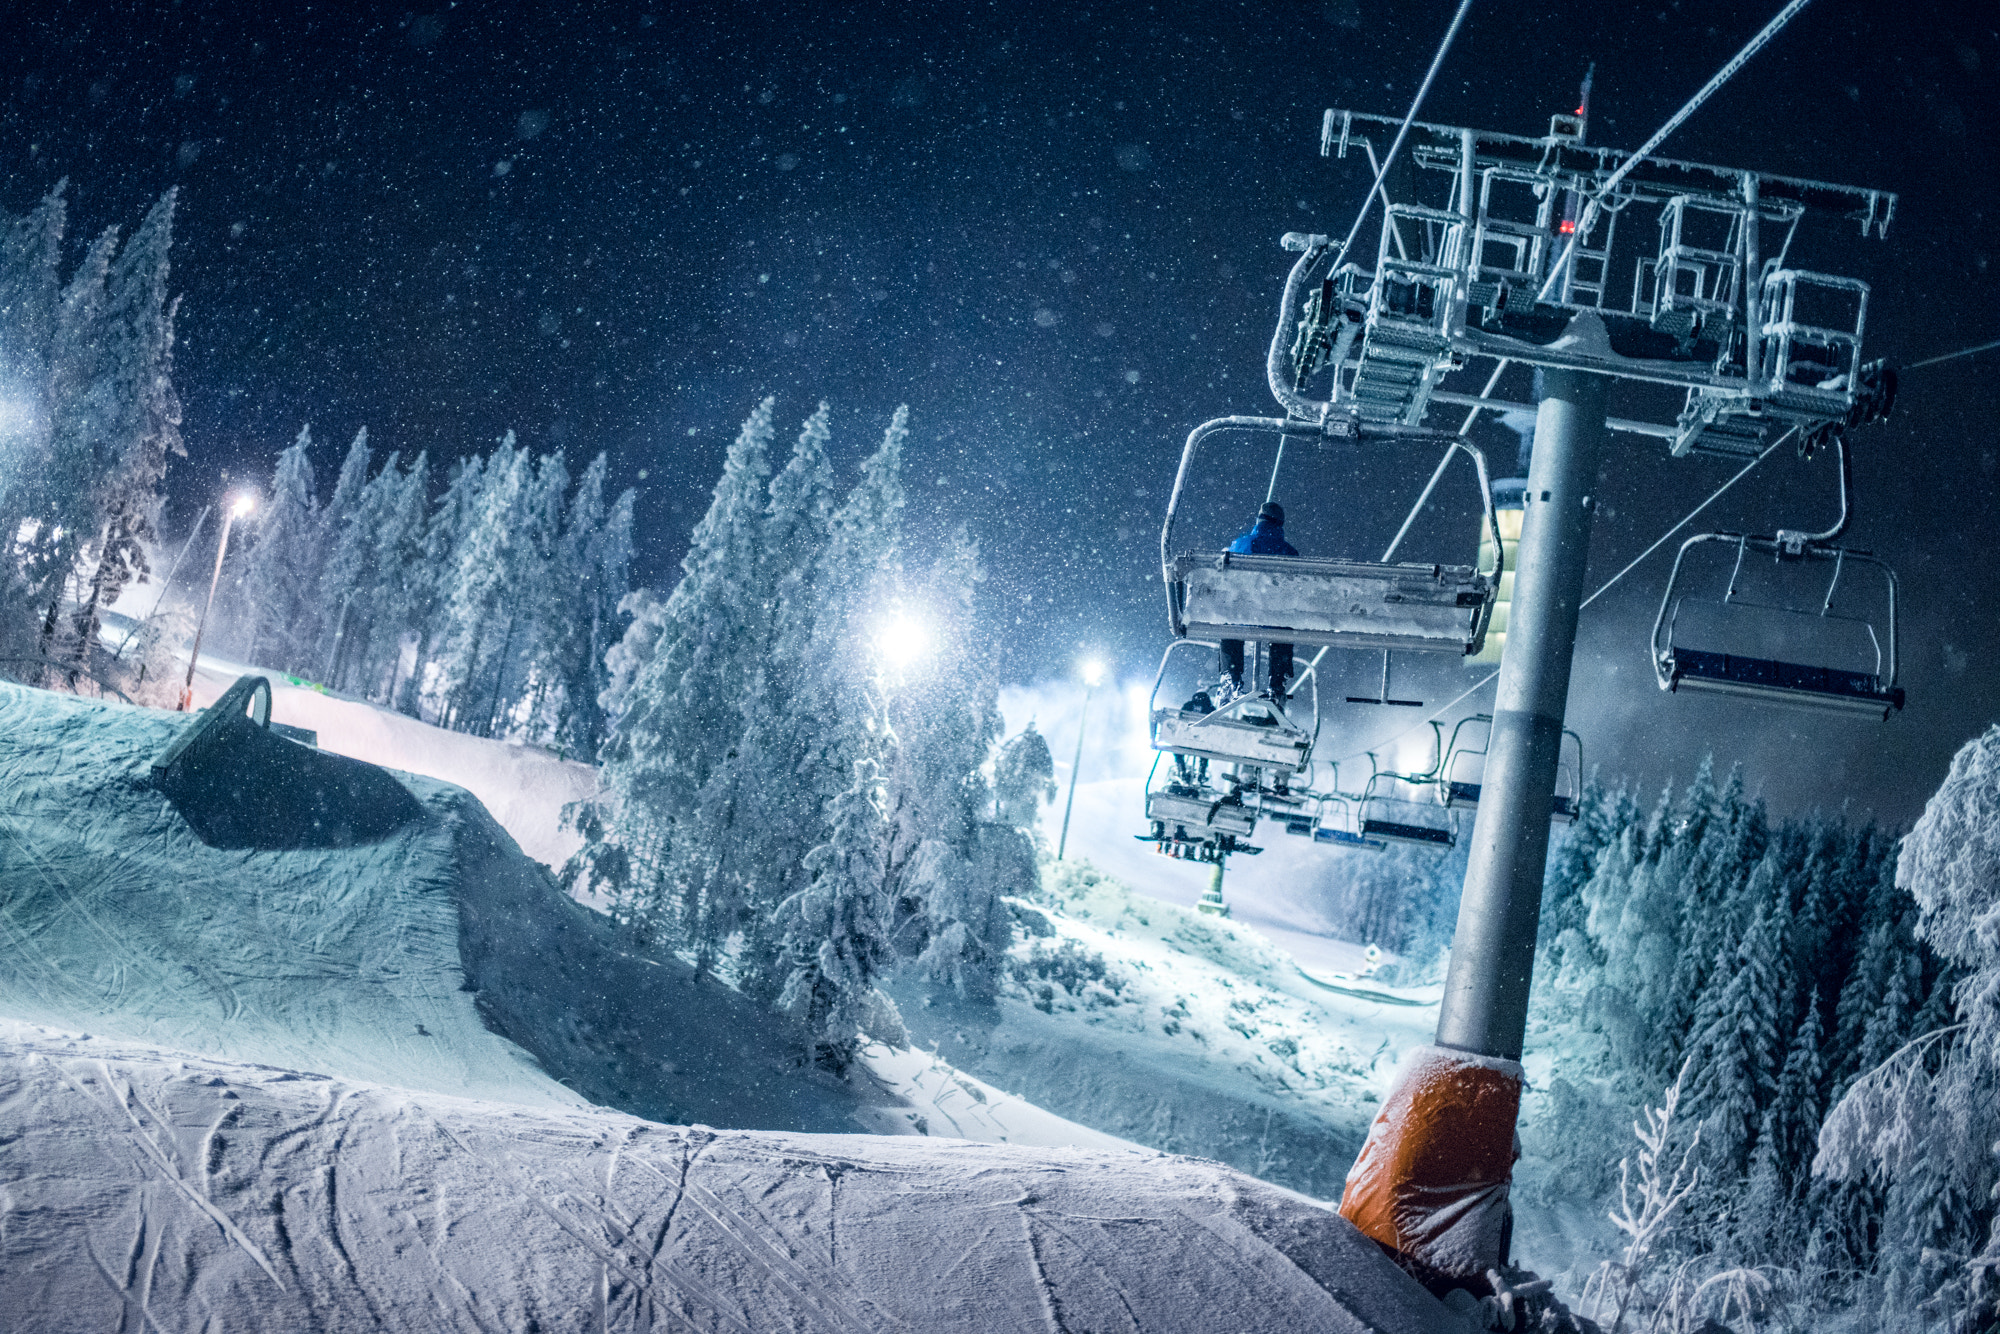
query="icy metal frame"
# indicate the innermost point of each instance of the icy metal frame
(1503, 272)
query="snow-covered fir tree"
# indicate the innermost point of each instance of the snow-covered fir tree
(948, 865)
(349, 574)
(833, 934)
(279, 579)
(136, 413)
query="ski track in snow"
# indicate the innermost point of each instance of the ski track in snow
(200, 1193)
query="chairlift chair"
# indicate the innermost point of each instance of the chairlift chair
(1870, 692)
(1775, 677)
(1197, 822)
(1339, 825)
(1413, 812)
(1305, 600)
(1461, 791)
(1249, 730)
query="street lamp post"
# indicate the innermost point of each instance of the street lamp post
(237, 510)
(165, 586)
(1093, 673)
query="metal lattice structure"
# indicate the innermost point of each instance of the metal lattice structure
(1681, 274)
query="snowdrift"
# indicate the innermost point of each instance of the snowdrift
(433, 955)
(176, 1192)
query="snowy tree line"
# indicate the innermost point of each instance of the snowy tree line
(1785, 967)
(88, 420)
(802, 786)
(490, 608)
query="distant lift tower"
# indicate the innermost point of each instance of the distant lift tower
(1677, 281)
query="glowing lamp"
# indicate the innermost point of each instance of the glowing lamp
(243, 505)
(1092, 672)
(902, 640)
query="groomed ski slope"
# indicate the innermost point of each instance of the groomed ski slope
(348, 1087)
(148, 1191)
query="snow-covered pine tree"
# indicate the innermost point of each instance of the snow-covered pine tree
(1736, 1051)
(137, 416)
(594, 567)
(1869, 982)
(1772, 1217)
(682, 713)
(280, 576)
(349, 578)
(1924, 1123)
(947, 866)
(525, 666)
(782, 812)
(445, 533)
(30, 287)
(1024, 777)
(645, 617)
(1634, 920)
(79, 417)
(1574, 861)
(832, 934)
(855, 587)
(475, 616)
(787, 706)
(403, 579)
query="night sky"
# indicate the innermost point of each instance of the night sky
(1051, 230)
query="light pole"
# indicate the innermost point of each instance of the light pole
(242, 505)
(1093, 673)
(166, 585)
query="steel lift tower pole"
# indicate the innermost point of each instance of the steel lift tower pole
(1485, 1007)
(1589, 265)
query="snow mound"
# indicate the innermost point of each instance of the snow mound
(523, 787)
(433, 955)
(153, 1190)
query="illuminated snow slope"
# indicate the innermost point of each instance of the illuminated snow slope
(152, 1191)
(349, 1087)
(524, 788)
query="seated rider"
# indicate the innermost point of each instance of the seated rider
(1193, 772)
(1265, 538)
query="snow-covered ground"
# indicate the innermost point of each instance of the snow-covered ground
(1183, 1032)
(348, 1086)
(524, 788)
(152, 1190)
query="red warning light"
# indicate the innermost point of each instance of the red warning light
(1567, 227)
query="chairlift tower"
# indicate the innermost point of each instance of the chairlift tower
(1594, 270)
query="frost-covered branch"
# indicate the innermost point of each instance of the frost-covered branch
(1644, 1219)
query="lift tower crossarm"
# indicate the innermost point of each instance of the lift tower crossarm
(1587, 166)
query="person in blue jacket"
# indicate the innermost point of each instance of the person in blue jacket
(1265, 538)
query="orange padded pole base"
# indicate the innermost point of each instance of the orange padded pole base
(1432, 1180)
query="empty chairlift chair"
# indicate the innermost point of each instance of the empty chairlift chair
(1306, 600)
(1463, 775)
(1404, 808)
(1788, 663)
(1779, 651)
(1339, 824)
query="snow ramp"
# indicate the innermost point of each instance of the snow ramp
(148, 1190)
(397, 936)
